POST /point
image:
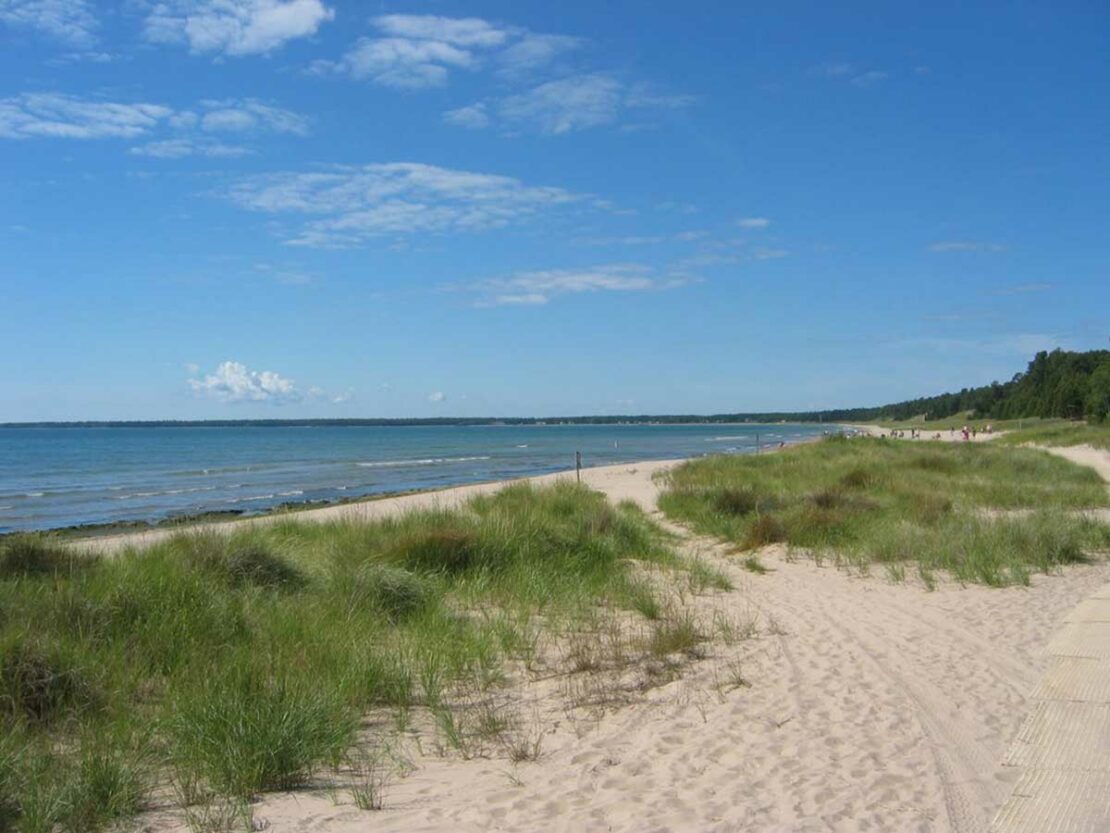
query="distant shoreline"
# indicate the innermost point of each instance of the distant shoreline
(430, 422)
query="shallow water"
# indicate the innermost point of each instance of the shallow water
(54, 477)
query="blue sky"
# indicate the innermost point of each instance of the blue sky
(285, 208)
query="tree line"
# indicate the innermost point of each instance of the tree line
(1061, 384)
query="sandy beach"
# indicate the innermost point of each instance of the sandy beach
(853, 704)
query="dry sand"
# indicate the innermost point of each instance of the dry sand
(865, 706)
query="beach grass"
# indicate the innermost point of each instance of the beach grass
(978, 512)
(957, 421)
(1062, 433)
(230, 665)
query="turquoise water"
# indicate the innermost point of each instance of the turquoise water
(54, 477)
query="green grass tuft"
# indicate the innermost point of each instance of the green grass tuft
(870, 500)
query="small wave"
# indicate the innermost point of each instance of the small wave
(728, 439)
(293, 493)
(252, 497)
(160, 492)
(523, 446)
(34, 494)
(2, 508)
(427, 461)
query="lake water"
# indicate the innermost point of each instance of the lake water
(54, 477)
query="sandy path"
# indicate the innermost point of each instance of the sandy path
(870, 706)
(1084, 455)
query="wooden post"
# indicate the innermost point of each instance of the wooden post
(578, 465)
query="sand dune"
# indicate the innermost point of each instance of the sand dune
(855, 705)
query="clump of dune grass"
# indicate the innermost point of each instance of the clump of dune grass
(868, 500)
(41, 682)
(232, 665)
(32, 556)
(250, 733)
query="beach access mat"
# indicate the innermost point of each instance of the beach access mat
(1064, 744)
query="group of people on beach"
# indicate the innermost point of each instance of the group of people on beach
(971, 433)
(916, 434)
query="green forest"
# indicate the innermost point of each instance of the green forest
(1060, 384)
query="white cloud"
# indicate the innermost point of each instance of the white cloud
(71, 21)
(646, 239)
(538, 287)
(646, 97)
(853, 75)
(403, 63)
(235, 27)
(234, 382)
(866, 79)
(64, 116)
(753, 222)
(173, 134)
(180, 148)
(460, 31)
(769, 254)
(437, 396)
(566, 105)
(534, 51)
(965, 246)
(418, 51)
(353, 204)
(247, 115)
(473, 116)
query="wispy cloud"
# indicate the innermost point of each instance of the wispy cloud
(851, 74)
(173, 134)
(965, 246)
(473, 116)
(64, 116)
(420, 51)
(533, 52)
(243, 116)
(565, 105)
(437, 397)
(539, 287)
(354, 204)
(753, 222)
(70, 21)
(645, 239)
(234, 27)
(414, 52)
(180, 148)
(769, 254)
